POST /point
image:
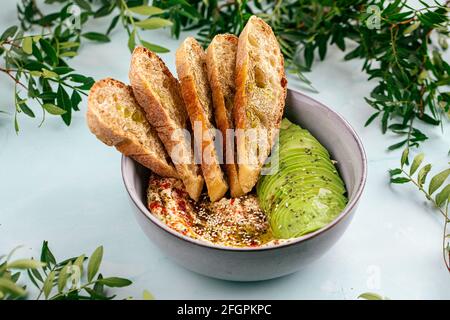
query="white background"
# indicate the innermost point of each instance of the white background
(60, 184)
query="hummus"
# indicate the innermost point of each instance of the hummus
(236, 222)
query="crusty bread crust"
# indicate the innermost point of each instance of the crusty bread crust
(221, 64)
(158, 93)
(155, 158)
(191, 69)
(260, 95)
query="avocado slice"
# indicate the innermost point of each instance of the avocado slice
(297, 217)
(294, 183)
(307, 192)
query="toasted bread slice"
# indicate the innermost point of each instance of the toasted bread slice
(158, 92)
(116, 119)
(221, 64)
(191, 68)
(260, 97)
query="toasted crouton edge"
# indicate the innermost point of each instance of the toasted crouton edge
(212, 172)
(249, 173)
(165, 118)
(113, 137)
(223, 116)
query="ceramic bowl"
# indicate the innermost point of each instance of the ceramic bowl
(243, 264)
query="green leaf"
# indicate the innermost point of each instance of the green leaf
(147, 295)
(154, 47)
(62, 70)
(404, 158)
(37, 275)
(49, 74)
(115, 282)
(98, 287)
(32, 279)
(34, 66)
(88, 83)
(443, 196)
(26, 110)
(309, 55)
(32, 91)
(48, 95)
(146, 10)
(113, 24)
(416, 163)
(132, 40)
(79, 78)
(411, 28)
(83, 4)
(426, 118)
(68, 54)
(96, 36)
(62, 278)
(27, 45)
(105, 10)
(10, 32)
(15, 277)
(48, 284)
(16, 125)
(79, 262)
(400, 180)
(37, 37)
(395, 172)
(397, 145)
(384, 121)
(94, 263)
(370, 296)
(64, 102)
(69, 44)
(97, 295)
(438, 180)
(371, 118)
(422, 176)
(154, 23)
(8, 286)
(46, 255)
(37, 53)
(52, 109)
(75, 100)
(25, 264)
(49, 51)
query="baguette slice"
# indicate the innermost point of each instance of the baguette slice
(191, 68)
(221, 64)
(260, 97)
(158, 92)
(116, 119)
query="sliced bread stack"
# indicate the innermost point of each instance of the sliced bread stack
(170, 126)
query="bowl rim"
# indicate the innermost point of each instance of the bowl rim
(348, 208)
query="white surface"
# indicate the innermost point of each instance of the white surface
(60, 184)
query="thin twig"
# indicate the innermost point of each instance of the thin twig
(8, 72)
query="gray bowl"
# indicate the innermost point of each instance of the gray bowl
(243, 264)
